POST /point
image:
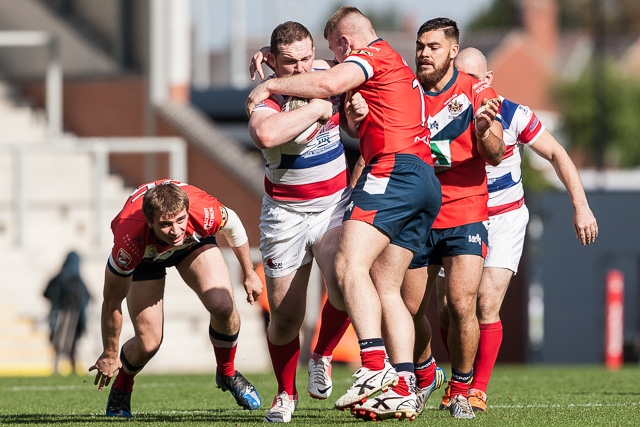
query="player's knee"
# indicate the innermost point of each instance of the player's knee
(149, 346)
(223, 310)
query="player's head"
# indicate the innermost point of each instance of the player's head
(166, 207)
(436, 47)
(474, 63)
(348, 29)
(292, 50)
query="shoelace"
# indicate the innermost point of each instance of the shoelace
(463, 407)
(320, 375)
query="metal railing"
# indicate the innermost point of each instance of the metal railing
(99, 148)
(54, 70)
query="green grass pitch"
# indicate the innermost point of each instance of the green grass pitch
(518, 396)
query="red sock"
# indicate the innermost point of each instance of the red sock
(444, 335)
(403, 387)
(284, 359)
(488, 348)
(333, 324)
(373, 359)
(224, 348)
(459, 387)
(124, 381)
(426, 372)
(225, 358)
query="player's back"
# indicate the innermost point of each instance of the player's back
(396, 119)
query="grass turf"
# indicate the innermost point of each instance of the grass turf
(518, 396)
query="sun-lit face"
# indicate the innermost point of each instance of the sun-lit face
(170, 229)
(339, 47)
(434, 57)
(295, 58)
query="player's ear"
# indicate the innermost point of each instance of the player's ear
(455, 48)
(489, 77)
(271, 60)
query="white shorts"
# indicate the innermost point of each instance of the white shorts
(506, 239)
(287, 237)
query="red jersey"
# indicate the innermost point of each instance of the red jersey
(458, 164)
(134, 241)
(396, 119)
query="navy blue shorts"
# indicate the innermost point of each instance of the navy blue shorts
(468, 239)
(153, 270)
(399, 195)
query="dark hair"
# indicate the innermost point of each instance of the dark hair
(449, 26)
(338, 16)
(287, 33)
(166, 198)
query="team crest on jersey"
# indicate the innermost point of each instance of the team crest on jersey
(223, 216)
(455, 107)
(360, 52)
(123, 258)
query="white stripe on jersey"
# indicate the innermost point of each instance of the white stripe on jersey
(365, 65)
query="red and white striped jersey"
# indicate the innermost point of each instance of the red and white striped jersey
(308, 177)
(520, 127)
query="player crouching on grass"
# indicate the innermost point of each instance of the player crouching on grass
(163, 224)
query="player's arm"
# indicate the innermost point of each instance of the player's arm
(584, 222)
(357, 171)
(488, 131)
(354, 112)
(115, 291)
(236, 235)
(270, 128)
(321, 84)
(260, 57)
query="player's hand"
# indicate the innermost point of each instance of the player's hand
(107, 367)
(325, 108)
(356, 108)
(259, 58)
(257, 95)
(585, 225)
(485, 115)
(253, 286)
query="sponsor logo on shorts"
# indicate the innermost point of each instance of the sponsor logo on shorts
(273, 264)
(475, 239)
(350, 206)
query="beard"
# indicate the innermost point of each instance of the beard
(428, 79)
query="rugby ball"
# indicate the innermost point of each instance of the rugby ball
(308, 134)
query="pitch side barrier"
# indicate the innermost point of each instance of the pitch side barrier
(99, 149)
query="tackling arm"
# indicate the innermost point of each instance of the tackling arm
(321, 84)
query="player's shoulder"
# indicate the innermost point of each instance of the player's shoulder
(511, 109)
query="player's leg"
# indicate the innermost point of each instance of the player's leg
(443, 326)
(417, 288)
(493, 288)
(145, 305)
(399, 400)
(463, 273)
(334, 319)
(287, 301)
(506, 241)
(360, 244)
(205, 272)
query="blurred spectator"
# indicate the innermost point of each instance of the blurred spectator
(69, 298)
